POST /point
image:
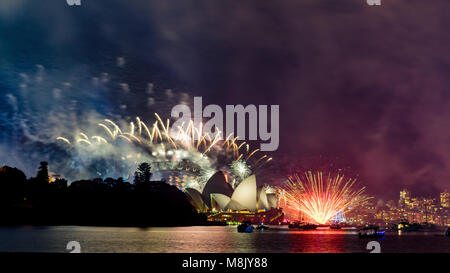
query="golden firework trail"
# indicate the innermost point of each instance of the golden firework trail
(81, 140)
(126, 138)
(84, 136)
(147, 131)
(252, 153)
(242, 144)
(322, 198)
(100, 139)
(113, 135)
(63, 139)
(216, 139)
(131, 136)
(139, 125)
(116, 127)
(261, 158)
(131, 129)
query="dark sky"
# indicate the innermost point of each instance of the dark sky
(361, 87)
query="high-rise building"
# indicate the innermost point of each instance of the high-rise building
(405, 199)
(445, 199)
(391, 204)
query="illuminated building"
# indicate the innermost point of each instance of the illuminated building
(272, 216)
(339, 218)
(219, 195)
(445, 199)
(405, 199)
(391, 204)
(420, 210)
(414, 204)
(363, 215)
(247, 202)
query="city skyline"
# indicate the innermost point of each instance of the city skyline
(409, 208)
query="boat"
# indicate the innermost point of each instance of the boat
(408, 227)
(370, 232)
(294, 225)
(245, 227)
(335, 226)
(262, 227)
(298, 225)
(308, 227)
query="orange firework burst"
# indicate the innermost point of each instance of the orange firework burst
(321, 199)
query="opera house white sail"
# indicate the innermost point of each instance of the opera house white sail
(245, 195)
(220, 200)
(196, 199)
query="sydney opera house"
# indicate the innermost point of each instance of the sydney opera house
(246, 202)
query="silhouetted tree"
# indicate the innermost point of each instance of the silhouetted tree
(143, 174)
(92, 202)
(60, 184)
(39, 186)
(12, 185)
(42, 175)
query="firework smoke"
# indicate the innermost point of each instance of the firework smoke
(241, 169)
(43, 109)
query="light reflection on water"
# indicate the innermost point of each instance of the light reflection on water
(208, 239)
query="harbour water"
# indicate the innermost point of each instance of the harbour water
(201, 239)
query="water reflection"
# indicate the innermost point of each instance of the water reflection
(318, 241)
(207, 239)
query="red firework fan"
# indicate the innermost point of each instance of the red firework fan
(321, 199)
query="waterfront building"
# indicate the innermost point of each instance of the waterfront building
(218, 195)
(405, 198)
(445, 199)
(245, 202)
(420, 210)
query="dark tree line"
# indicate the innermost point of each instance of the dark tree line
(115, 202)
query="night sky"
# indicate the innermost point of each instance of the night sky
(361, 88)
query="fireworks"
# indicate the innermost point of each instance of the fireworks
(160, 145)
(241, 168)
(63, 139)
(319, 198)
(93, 142)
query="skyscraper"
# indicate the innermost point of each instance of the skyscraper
(445, 199)
(405, 198)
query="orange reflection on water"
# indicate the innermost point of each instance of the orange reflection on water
(322, 240)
